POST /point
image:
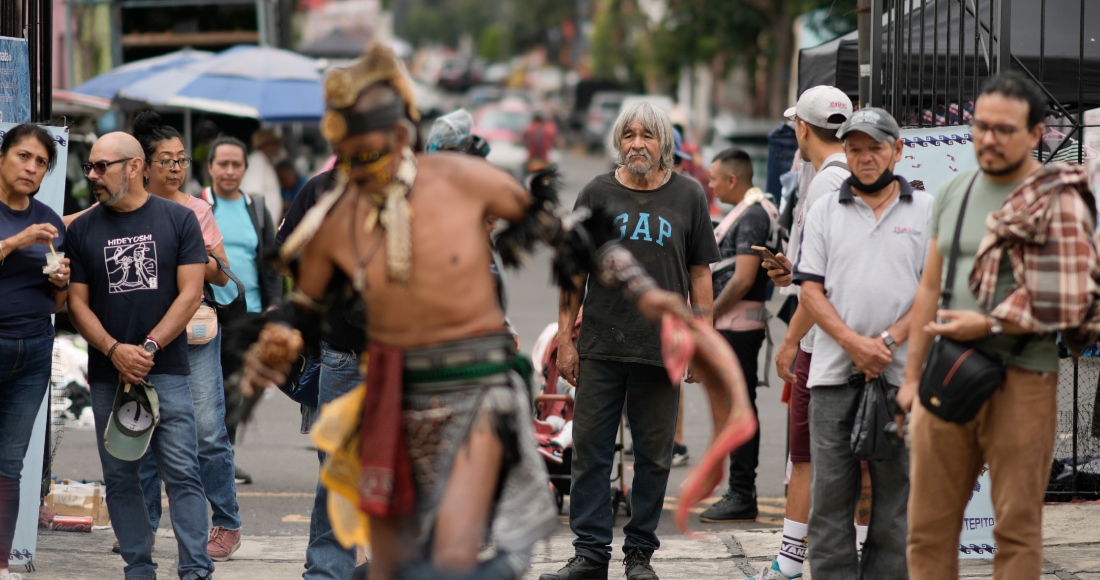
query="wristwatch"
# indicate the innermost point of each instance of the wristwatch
(889, 341)
(150, 345)
(995, 328)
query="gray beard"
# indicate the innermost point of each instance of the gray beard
(641, 171)
(115, 197)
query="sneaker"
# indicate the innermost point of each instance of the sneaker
(679, 455)
(116, 548)
(241, 476)
(637, 564)
(579, 568)
(772, 573)
(6, 575)
(733, 507)
(222, 543)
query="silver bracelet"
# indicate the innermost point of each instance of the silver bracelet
(3, 254)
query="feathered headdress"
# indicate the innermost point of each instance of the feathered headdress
(344, 85)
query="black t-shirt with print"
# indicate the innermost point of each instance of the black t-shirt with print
(129, 260)
(667, 229)
(751, 229)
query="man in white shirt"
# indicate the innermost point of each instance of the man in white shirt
(261, 179)
(819, 113)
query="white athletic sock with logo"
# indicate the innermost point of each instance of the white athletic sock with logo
(861, 536)
(792, 552)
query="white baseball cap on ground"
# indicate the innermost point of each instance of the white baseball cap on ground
(822, 106)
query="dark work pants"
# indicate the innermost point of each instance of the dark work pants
(651, 408)
(743, 462)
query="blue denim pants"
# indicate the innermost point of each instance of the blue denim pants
(173, 446)
(25, 366)
(651, 406)
(215, 452)
(326, 559)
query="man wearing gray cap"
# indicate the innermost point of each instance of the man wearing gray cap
(839, 279)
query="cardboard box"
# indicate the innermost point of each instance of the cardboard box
(80, 499)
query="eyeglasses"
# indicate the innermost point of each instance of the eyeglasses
(184, 162)
(1001, 133)
(100, 167)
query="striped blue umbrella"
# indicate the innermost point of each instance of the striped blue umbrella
(107, 85)
(261, 82)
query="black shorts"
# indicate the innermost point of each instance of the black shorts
(800, 409)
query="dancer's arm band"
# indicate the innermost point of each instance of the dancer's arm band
(617, 268)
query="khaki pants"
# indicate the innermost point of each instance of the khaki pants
(1014, 434)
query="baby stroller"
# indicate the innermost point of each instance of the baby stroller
(554, 424)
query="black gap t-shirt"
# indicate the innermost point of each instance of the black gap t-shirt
(24, 289)
(129, 260)
(753, 228)
(667, 229)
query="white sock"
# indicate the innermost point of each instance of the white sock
(861, 536)
(792, 552)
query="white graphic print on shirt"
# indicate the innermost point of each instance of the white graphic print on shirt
(131, 264)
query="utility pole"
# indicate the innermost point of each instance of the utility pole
(863, 21)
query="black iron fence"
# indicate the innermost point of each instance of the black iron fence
(934, 56)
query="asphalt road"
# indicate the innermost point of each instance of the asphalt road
(283, 462)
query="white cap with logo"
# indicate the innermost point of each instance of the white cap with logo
(822, 106)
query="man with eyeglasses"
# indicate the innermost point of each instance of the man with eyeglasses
(137, 274)
(249, 233)
(1026, 268)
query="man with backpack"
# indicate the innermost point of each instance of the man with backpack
(740, 287)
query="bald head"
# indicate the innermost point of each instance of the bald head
(119, 185)
(117, 145)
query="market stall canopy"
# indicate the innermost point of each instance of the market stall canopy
(836, 62)
(260, 82)
(107, 85)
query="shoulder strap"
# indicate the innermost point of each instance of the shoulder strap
(949, 283)
(839, 164)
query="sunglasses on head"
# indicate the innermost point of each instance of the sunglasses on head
(100, 167)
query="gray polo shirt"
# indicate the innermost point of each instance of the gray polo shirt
(870, 270)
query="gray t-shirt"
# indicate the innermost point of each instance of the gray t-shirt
(1041, 354)
(827, 180)
(870, 269)
(667, 229)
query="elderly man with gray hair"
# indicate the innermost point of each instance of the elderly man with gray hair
(662, 218)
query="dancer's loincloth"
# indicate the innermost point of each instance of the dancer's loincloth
(443, 391)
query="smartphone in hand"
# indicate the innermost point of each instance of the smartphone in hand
(767, 255)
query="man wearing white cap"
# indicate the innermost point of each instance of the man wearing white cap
(819, 113)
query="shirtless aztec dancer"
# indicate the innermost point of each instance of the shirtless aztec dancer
(446, 438)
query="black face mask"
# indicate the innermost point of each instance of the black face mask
(882, 182)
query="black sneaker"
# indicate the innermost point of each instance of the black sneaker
(241, 477)
(637, 564)
(679, 455)
(733, 507)
(579, 568)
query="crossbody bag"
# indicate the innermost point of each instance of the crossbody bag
(959, 377)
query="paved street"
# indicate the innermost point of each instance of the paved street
(276, 507)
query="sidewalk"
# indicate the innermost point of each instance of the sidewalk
(1071, 537)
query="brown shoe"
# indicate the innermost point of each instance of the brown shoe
(222, 543)
(116, 548)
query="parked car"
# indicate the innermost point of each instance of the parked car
(603, 109)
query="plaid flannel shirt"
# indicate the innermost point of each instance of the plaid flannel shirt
(1047, 228)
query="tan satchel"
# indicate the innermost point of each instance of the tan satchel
(203, 326)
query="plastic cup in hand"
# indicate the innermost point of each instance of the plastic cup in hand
(53, 262)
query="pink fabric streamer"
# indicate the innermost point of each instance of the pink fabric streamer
(734, 422)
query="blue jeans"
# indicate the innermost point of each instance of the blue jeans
(651, 408)
(325, 557)
(173, 446)
(215, 452)
(25, 366)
